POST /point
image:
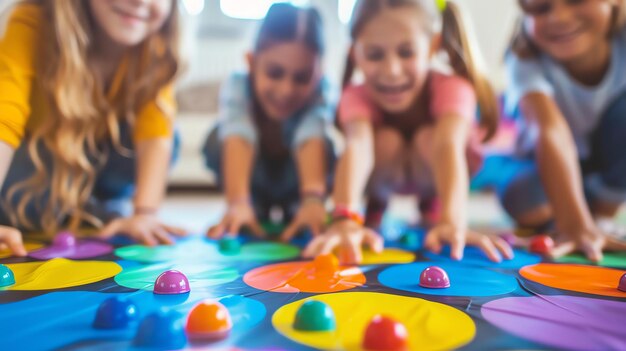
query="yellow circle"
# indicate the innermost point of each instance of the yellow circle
(388, 256)
(29, 246)
(60, 273)
(431, 325)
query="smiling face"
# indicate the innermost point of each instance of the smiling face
(393, 51)
(286, 76)
(568, 29)
(129, 22)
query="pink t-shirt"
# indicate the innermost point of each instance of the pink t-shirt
(450, 96)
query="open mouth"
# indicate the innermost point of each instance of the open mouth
(394, 89)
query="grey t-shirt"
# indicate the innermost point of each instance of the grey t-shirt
(235, 114)
(582, 106)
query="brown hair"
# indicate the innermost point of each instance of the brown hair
(523, 46)
(79, 115)
(456, 42)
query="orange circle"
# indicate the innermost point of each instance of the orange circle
(579, 278)
(294, 277)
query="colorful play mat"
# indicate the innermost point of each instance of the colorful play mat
(241, 294)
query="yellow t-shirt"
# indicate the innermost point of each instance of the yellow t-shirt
(22, 106)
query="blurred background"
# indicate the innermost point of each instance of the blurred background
(218, 33)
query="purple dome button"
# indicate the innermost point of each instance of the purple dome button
(171, 282)
(622, 283)
(64, 240)
(434, 278)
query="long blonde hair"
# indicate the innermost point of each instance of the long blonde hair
(80, 116)
(463, 57)
(523, 46)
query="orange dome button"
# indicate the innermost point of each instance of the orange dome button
(326, 264)
(208, 320)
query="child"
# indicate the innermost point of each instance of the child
(568, 77)
(408, 126)
(271, 146)
(86, 106)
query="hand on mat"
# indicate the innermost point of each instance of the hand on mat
(237, 216)
(493, 246)
(145, 228)
(311, 215)
(11, 238)
(591, 242)
(348, 236)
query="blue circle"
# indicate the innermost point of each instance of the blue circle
(163, 329)
(473, 256)
(464, 281)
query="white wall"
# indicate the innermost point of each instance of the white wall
(214, 55)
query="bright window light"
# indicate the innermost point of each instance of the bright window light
(194, 7)
(252, 9)
(345, 10)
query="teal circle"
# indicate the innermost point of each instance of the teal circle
(200, 275)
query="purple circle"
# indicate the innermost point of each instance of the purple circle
(568, 322)
(171, 282)
(434, 278)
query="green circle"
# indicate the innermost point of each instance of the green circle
(199, 275)
(201, 250)
(611, 259)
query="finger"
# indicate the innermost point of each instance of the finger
(234, 227)
(329, 245)
(457, 246)
(503, 246)
(147, 238)
(110, 229)
(614, 244)
(432, 243)
(313, 248)
(316, 229)
(216, 231)
(350, 253)
(593, 249)
(374, 241)
(3, 246)
(162, 236)
(257, 230)
(13, 239)
(562, 249)
(291, 231)
(176, 231)
(488, 247)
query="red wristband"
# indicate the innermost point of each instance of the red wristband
(345, 213)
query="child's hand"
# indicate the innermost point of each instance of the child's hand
(349, 236)
(457, 238)
(312, 215)
(589, 241)
(145, 228)
(11, 238)
(237, 216)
